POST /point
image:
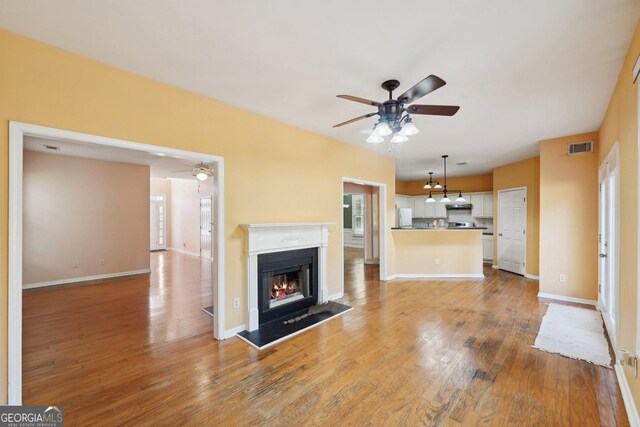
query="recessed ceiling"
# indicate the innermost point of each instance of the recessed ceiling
(521, 71)
(160, 166)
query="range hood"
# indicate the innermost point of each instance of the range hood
(459, 207)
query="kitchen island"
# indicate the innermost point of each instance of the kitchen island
(438, 253)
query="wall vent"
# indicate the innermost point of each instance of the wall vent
(580, 148)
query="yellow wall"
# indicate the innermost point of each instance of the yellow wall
(43, 85)
(525, 173)
(569, 218)
(459, 252)
(468, 184)
(620, 124)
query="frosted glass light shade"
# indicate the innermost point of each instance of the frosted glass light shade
(202, 176)
(382, 129)
(397, 138)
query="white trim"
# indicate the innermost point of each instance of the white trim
(636, 69)
(85, 279)
(17, 132)
(14, 320)
(230, 333)
(382, 207)
(526, 219)
(184, 252)
(434, 276)
(627, 397)
(293, 334)
(336, 296)
(568, 299)
(494, 266)
(531, 276)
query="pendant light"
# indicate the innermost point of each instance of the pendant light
(445, 191)
(430, 199)
(460, 198)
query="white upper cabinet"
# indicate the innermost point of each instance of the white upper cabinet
(404, 201)
(441, 210)
(419, 208)
(481, 204)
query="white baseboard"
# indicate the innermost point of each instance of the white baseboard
(336, 296)
(182, 251)
(531, 276)
(435, 276)
(494, 266)
(627, 397)
(230, 333)
(354, 245)
(568, 299)
(84, 279)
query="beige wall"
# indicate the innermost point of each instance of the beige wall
(162, 186)
(569, 218)
(468, 184)
(82, 95)
(458, 252)
(620, 124)
(525, 173)
(185, 208)
(83, 210)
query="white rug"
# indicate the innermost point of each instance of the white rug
(574, 332)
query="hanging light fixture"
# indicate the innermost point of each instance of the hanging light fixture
(202, 176)
(374, 138)
(382, 129)
(445, 198)
(398, 138)
(408, 128)
(430, 182)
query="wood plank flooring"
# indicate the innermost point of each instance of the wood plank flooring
(139, 351)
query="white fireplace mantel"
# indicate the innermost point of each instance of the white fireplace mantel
(278, 237)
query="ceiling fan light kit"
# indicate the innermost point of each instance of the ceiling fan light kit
(395, 113)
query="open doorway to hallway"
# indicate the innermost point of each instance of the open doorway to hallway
(83, 213)
(362, 237)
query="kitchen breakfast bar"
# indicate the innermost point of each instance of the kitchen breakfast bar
(438, 253)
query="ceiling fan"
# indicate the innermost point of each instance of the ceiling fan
(391, 111)
(201, 171)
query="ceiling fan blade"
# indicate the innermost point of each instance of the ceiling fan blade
(424, 87)
(354, 120)
(433, 110)
(360, 100)
(184, 170)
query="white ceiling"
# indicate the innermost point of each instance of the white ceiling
(520, 70)
(160, 166)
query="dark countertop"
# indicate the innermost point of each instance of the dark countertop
(487, 233)
(438, 229)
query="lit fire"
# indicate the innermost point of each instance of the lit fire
(282, 287)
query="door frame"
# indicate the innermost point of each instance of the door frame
(212, 223)
(17, 132)
(526, 232)
(382, 224)
(164, 205)
(613, 157)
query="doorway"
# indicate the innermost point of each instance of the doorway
(512, 229)
(608, 235)
(158, 212)
(205, 227)
(17, 134)
(363, 227)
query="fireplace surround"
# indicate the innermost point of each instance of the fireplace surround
(286, 252)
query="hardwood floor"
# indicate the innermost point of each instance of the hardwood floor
(140, 352)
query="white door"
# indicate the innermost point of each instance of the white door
(205, 227)
(607, 245)
(512, 238)
(158, 222)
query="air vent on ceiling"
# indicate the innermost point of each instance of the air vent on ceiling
(580, 148)
(52, 147)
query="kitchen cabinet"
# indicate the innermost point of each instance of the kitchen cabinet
(481, 204)
(419, 206)
(487, 248)
(441, 210)
(404, 201)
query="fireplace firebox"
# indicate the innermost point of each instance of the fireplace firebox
(288, 281)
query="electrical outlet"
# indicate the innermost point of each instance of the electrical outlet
(437, 261)
(236, 303)
(101, 261)
(563, 278)
(76, 264)
(184, 244)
